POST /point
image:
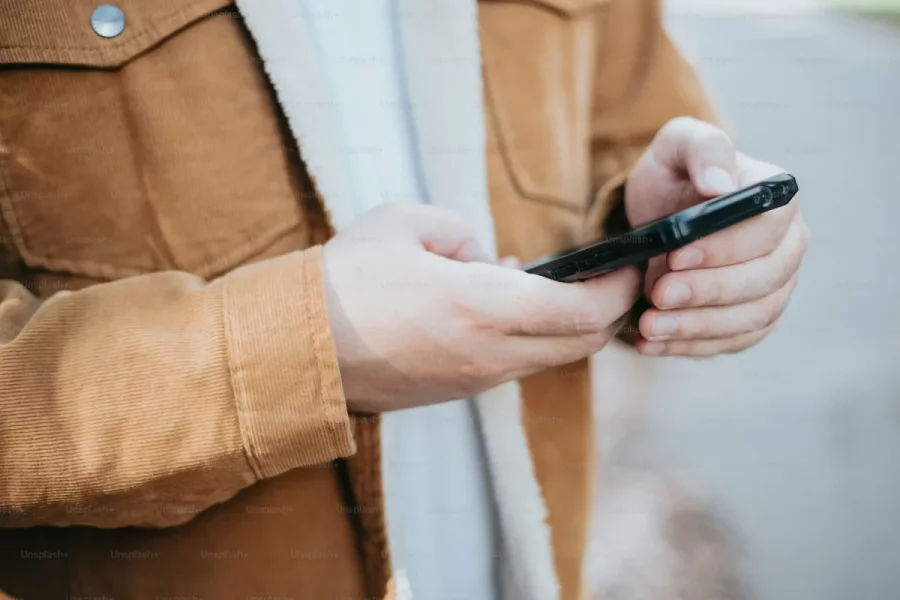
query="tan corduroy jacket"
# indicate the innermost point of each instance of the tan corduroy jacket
(171, 416)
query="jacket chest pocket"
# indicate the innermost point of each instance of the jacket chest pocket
(159, 148)
(538, 76)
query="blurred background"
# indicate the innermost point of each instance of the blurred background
(795, 444)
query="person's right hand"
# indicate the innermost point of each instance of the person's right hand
(419, 317)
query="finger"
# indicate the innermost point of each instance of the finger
(541, 307)
(735, 284)
(703, 150)
(437, 230)
(745, 241)
(704, 348)
(540, 352)
(716, 321)
(656, 269)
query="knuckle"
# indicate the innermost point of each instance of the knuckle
(440, 211)
(680, 123)
(719, 292)
(391, 214)
(531, 316)
(710, 291)
(737, 345)
(771, 314)
(805, 237)
(791, 286)
(785, 273)
(783, 295)
(692, 326)
(741, 343)
(472, 320)
(589, 322)
(469, 314)
(674, 128)
(533, 325)
(714, 137)
(463, 225)
(473, 373)
(450, 219)
(760, 316)
(693, 349)
(670, 348)
(390, 208)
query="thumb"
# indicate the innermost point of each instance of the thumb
(703, 150)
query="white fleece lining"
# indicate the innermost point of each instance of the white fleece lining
(286, 44)
(441, 56)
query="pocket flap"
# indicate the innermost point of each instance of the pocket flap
(569, 8)
(537, 69)
(59, 32)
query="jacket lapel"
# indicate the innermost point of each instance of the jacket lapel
(291, 57)
(442, 60)
(442, 67)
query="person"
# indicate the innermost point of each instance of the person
(254, 341)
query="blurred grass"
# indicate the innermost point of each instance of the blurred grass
(889, 9)
(873, 6)
(886, 11)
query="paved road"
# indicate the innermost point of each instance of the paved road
(798, 440)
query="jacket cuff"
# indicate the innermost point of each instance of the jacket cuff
(283, 365)
(606, 214)
(606, 217)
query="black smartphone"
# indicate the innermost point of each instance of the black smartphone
(668, 233)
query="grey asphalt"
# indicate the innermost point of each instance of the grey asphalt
(797, 441)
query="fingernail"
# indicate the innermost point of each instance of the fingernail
(676, 295)
(663, 327)
(719, 180)
(653, 348)
(689, 259)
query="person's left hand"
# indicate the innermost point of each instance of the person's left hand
(725, 292)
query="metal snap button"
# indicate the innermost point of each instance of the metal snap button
(108, 21)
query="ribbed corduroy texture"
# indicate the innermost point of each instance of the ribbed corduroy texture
(147, 400)
(283, 365)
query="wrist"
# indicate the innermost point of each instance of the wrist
(617, 220)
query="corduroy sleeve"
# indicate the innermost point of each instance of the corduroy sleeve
(146, 400)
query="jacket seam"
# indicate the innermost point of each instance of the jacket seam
(255, 243)
(150, 29)
(637, 75)
(520, 180)
(330, 425)
(10, 211)
(7, 207)
(240, 401)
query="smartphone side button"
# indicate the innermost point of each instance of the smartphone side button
(606, 255)
(564, 271)
(587, 263)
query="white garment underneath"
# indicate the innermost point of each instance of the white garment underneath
(440, 522)
(441, 527)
